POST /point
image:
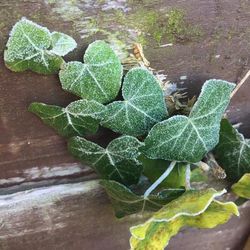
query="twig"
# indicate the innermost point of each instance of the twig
(202, 165)
(217, 170)
(240, 84)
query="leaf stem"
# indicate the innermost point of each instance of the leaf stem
(202, 165)
(159, 180)
(188, 176)
(217, 170)
(240, 84)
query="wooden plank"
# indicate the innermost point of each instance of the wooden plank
(79, 216)
(247, 245)
(27, 146)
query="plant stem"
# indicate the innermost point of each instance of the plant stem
(159, 180)
(188, 176)
(217, 170)
(202, 165)
(240, 84)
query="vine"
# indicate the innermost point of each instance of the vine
(151, 164)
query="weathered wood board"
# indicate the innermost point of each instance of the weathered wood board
(29, 151)
(216, 45)
(78, 217)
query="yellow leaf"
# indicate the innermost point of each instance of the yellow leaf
(242, 187)
(194, 208)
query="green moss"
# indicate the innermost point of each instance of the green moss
(140, 23)
(178, 29)
(170, 26)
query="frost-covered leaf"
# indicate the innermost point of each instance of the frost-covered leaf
(62, 44)
(233, 151)
(143, 105)
(118, 161)
(78, 118)
(153, 169)
(126, 202)
(188, 139)
(98, 78)
(194, 208)
(30, 47)
(242, 187)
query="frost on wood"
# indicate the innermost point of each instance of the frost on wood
(188, 139)
(118, 161)
(143, 105)
(194, 208)
(33, 47)
(78, 118)
(98, 78)
(233, 151)
(125, 202)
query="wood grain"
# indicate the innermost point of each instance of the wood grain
(247, 245)
(35, 213)
(79, 217)
(221, 52)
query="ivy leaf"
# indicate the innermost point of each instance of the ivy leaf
(62, 44)
(188, 139)
(198, 175)
(78, 118)
(99, 78)
(125, 202)
(233, 151)
(194, 208)
(143, 105)
(242, 187)
(153, 169)
(118, 161)
(30, 47)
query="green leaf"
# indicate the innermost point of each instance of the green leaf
(99, 78)
(194, 208)
(233, 151)
(242, 187)
(118, 161)
(143, 105)
(78, 118)
(62, 44)
(30, 47)
(188, 139)
(125, 202)
(153, 169)
(198, 175)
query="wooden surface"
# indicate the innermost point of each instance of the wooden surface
(34, 158)
(79, 217)
(247, 245)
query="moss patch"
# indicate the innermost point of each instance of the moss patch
(122, 24)
(178, 29)
(170, 26)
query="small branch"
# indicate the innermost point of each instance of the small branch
(202, 165)
(217, 170)
(159, 180)
(188, 177)
(240, 84)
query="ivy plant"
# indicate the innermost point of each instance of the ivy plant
(242, 187)
(233, 151)
(194, 208)
(98, 78)
(34, 47)
(151, 166)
